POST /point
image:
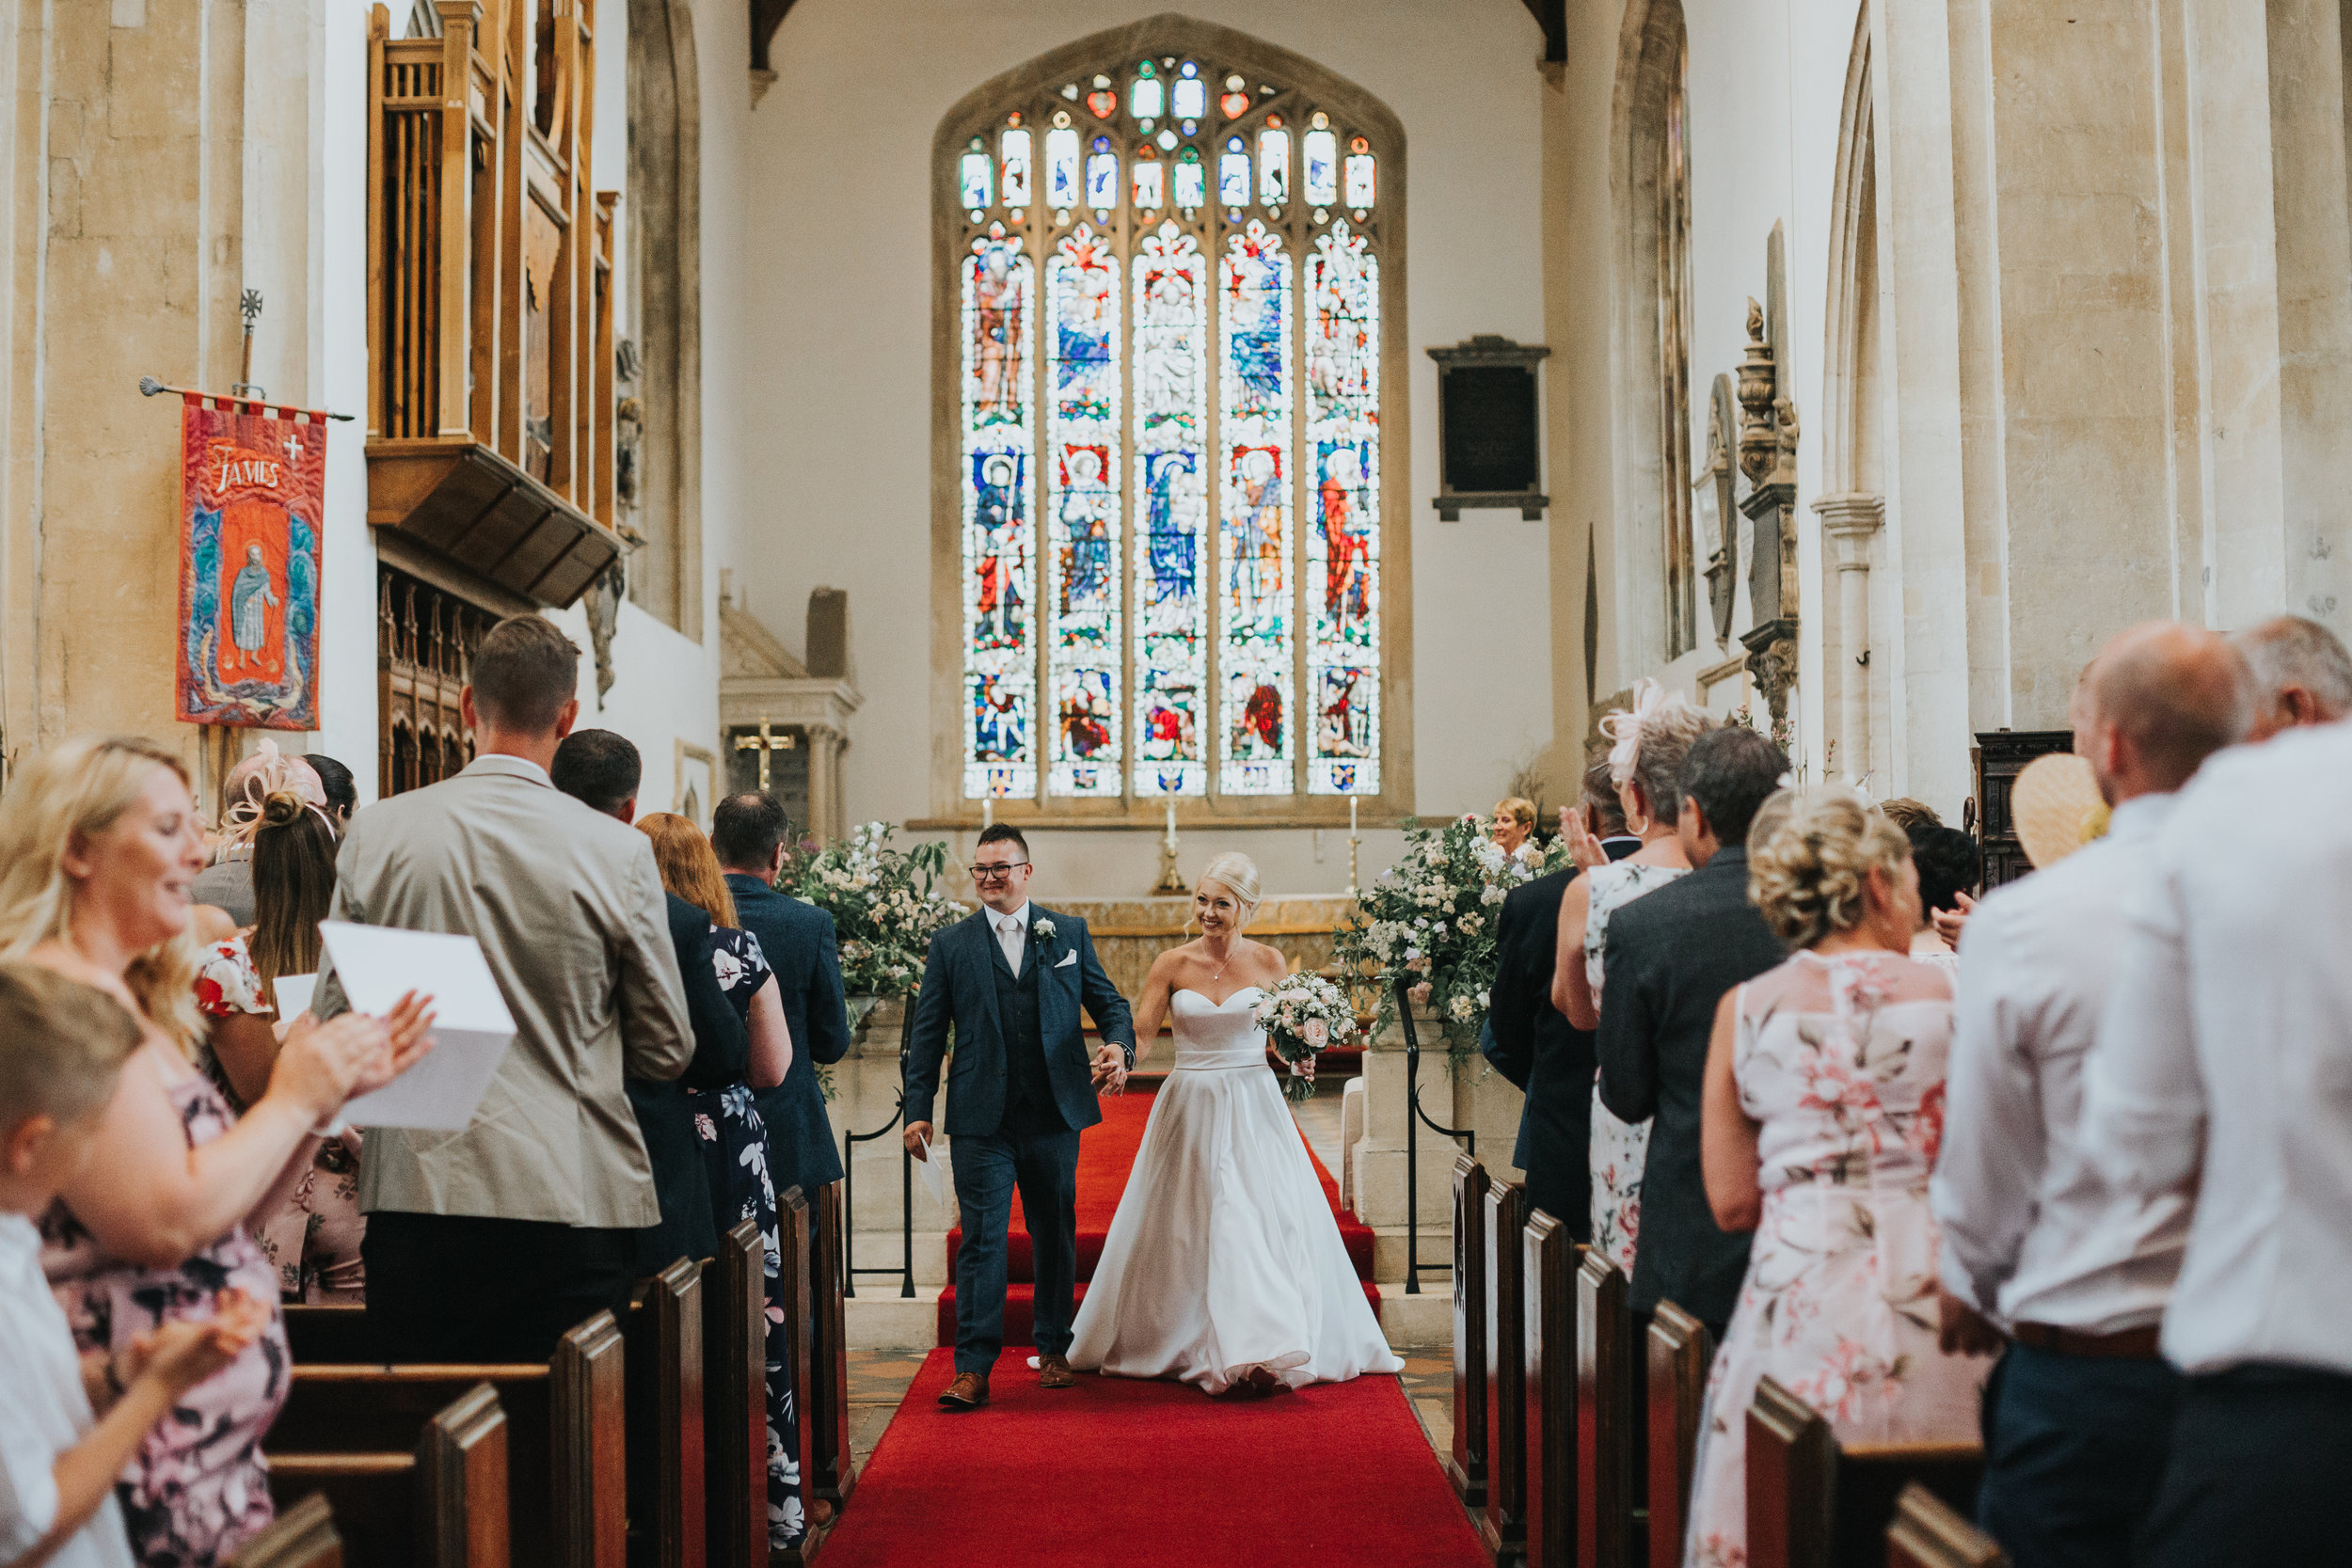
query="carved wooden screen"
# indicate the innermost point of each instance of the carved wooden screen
(425, 639)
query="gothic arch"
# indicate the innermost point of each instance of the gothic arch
(661, 489)
(1280, 81)
(1655, 565)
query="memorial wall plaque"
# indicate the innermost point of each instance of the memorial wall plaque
(1489, 427)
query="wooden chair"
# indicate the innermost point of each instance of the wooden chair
(1503, 1526)
(1812, 1504)
(1929, 1532)
(735, 1410)
(302, 1536)
(1607, 1447)
(566, 1419)
(443, 1503)
(1466, 1466)
(829, 1463)
(1548, 1276)
(664, 1448)
(1680, 1354)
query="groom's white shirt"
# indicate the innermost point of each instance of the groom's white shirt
(1012, 934)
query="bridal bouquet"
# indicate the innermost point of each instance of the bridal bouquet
(1304, 1016)
(886, 905)
(1431, 917)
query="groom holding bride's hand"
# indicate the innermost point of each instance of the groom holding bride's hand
(1011, 980)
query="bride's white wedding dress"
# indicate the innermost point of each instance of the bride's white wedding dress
(1224, 1256)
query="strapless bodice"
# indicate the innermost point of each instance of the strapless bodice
(1210, 1037)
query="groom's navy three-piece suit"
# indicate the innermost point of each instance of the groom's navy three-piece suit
(1018, 1089)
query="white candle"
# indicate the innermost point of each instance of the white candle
(988, 811)
(1351, 817)
(1171, 823)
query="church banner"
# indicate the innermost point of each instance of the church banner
(252, 494)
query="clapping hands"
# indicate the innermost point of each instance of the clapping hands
(1583, 848)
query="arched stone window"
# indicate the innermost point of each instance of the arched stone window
(1167, 426)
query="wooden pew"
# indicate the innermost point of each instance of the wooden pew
(302, 1536)
(1548, 1276)
(566, 1467)
(1503, 1526)
(1929, 1532)
(829, 1465)
(336, 1335)
(795, 1236)
(1606, 1442)
(442, 1504)
(1466, 1466)
(735, 1412)
(663, 1448)
(1812, 1504)
(1680, 1354)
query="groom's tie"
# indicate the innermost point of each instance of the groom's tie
(1011, 936)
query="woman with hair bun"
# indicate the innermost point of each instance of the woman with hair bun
(1223, 1267)
(1645, 764)
(1822, 1109)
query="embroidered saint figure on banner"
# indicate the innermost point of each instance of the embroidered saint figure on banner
(252, 488)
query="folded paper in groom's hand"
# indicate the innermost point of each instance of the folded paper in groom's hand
(933, 1169)
(471, 1026)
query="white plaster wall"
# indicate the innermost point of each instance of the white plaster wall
(337, 377)
(835, 355)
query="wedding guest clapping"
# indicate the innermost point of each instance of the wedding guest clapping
(2078, 1416)
(1824, 1107)
(98, 847)
(69, 1423)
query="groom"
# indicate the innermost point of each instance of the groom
(1010, 980)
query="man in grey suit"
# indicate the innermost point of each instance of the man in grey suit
(1672, 954)
(488, 1245)
(1011, 979)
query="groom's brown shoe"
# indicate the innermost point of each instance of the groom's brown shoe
(969, 1391)
(1053, 1371)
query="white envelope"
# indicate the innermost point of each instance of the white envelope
(293, 993)
(471, 1028)
(934, 1172)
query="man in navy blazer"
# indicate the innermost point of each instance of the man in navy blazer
(797, 939)
(1011, 981)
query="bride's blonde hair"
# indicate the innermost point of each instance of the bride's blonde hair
(1238, 875)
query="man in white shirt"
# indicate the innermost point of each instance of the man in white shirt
(2301, 672)
(2078, 1415)
(2224, 1066)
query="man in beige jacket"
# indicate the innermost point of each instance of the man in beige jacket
(488, 1244)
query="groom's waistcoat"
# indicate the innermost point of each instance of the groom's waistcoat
(1028, 1083)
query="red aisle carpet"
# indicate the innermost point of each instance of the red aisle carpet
(1106, 1153)
(1152, 1475)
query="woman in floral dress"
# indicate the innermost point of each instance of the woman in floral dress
(1651, 741)
(735, 1139)
(1823, 1108)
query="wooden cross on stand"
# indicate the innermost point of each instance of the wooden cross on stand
(766, 745)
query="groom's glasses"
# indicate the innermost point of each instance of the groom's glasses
(996, 873)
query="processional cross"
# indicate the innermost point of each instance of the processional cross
(766, 745)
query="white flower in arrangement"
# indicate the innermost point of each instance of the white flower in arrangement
(1462, 1009)
(1493, 892)
(1317, 1033)
(1489, 854)
(1044, 929)
(1470, 924)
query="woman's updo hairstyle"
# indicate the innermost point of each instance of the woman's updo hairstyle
(1808, 855)
(1650, 739)
(1238, 875)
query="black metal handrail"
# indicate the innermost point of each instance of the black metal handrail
(1415, 1117)
(849, 1271)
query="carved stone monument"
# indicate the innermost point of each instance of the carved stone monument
(1768, 448)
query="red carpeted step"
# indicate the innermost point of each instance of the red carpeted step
(1021, 1306)
(1107, 1155)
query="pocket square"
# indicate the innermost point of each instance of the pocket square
(1067, 960)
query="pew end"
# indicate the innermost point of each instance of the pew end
(1553, 1411)
(1503, 1526)
(1680, 1354)
(1814, 1504)
(443, 1503)
(735, 1450)
(1929, 1532)
(1466, 1465)
(1608, 1441)
(302, 1536)
(665, 1443)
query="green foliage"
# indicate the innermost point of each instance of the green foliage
(886, 905)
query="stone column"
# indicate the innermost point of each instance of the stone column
(1848, 523)
(824, 780)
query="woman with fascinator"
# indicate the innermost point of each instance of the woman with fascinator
(1649, 743)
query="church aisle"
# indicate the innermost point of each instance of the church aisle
(1140, 1474)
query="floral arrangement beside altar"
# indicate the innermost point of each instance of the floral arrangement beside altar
(1431, 917)
(886, 905)
(1304, 1016)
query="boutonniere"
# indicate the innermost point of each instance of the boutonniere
(1043, 930)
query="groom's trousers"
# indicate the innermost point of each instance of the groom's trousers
(1044, 1165)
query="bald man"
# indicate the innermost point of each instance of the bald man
(2302, 675)
(2036, 1246)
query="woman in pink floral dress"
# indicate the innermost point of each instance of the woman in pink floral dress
(1824, 1105)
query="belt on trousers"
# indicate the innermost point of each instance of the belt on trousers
(2130, 1344)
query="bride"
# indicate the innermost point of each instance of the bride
(1223, 1266)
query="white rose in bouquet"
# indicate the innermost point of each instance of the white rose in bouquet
(1317, 1031)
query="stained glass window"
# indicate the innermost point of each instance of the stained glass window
(1170, 501)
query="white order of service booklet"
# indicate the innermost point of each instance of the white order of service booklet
(471, 1026)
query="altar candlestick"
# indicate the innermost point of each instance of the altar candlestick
(988, 811)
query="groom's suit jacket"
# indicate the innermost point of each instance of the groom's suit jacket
(960, 988)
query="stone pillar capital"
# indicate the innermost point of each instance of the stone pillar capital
(1850, 519)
